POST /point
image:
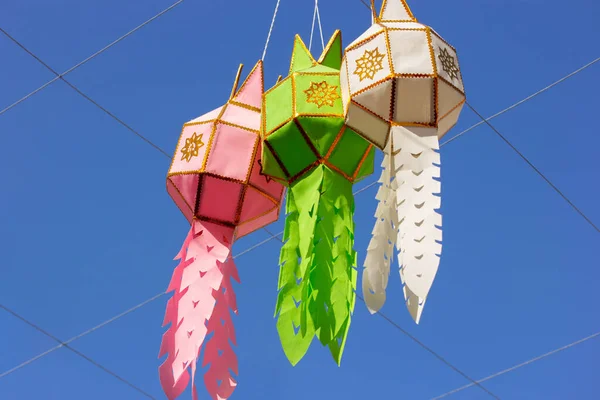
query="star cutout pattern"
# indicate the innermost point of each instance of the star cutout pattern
(369, 64)
(448, 63)
(321, 94)
(192, 146)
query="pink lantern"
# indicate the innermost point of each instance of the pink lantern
(216, 181)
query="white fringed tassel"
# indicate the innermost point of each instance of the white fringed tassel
(416, 157)
(381, 247)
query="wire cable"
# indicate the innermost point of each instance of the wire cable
(102, 50)
(526, 99)
(85, 96)
(557, 190)
(65, 343)
(39, 329)
(366, 5)
(530, 361)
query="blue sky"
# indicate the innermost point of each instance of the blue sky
(87, 229)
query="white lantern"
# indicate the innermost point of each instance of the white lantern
(402, 90)
(400, 72)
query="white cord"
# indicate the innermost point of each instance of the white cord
(316, 17)
(312, 28)
(270, 30)
(320, 26)
(372, 14)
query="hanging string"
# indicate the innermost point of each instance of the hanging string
(270, 30)
(316, 17)
(372, 7)
(320, 26)
(312, 28)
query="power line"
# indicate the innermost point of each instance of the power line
(59, 76)
(430, 350)
(65, 343)
(102, 50)
(530, 361)
(557, 190)
(526, 99)
(39, 329)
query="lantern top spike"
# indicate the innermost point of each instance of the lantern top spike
(236, 82)
(252, 88)
(330, 57)
(393, 11)
(332, 53)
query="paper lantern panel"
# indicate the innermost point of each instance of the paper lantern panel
(303, 124)
(400, 72)
(215, 173)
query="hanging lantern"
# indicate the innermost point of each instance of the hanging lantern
(307, 146)
(402, 90)
(215, 179)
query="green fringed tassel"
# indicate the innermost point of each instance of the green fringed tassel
(290, 285)
(317, 276)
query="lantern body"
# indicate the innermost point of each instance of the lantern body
(215, 180)
(307, 146)
(303, 124)
(216, 175)
(400, 72)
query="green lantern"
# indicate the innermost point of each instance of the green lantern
(307, 147)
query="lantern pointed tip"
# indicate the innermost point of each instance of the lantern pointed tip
(333, 51)
(301, 56)
(396, 10)
(237, 81)
(252, 88)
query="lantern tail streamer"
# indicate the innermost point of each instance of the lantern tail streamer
(320, 269)
(219, 351)
(380, 252)
(338, 195)
(416, 157)
(291, 283)
(198, 282)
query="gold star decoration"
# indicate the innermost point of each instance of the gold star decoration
(321, 94)
(369, 64)
(192, 146)
(448, 63)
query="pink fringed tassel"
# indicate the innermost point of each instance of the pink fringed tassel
(202, 298)
(218, 351)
